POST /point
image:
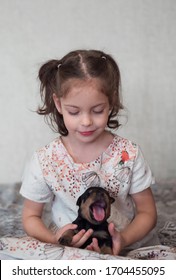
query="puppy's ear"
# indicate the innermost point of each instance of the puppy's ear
(78, 202)
(83, 197)
(112, 199)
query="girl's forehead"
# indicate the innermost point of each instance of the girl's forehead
(74, 86)
(88, 93)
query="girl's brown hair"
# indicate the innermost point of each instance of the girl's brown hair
(80, 64)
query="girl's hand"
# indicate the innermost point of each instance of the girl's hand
(117, 239)
(81, 237)
(78, 239)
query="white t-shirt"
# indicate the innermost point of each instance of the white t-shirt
(52, 175)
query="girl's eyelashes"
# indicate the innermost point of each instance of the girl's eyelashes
(76, 113)
(98, 112)
(94, 110)
(73, 113)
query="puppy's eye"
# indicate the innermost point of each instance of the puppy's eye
(88, 190)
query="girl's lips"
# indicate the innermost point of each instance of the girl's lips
(87, 133)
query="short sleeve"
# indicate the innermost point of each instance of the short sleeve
(141, 176)
(34, 186)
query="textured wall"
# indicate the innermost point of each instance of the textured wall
(141, 35)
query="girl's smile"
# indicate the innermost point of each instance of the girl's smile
(87, 133)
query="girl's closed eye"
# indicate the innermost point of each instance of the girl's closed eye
(72, 110)
(73, 113)
(94, 111)
(98, 111)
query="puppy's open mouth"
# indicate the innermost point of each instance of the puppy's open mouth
(98, 210)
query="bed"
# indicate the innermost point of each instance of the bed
(15, 244)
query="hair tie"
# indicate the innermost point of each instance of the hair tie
(59, 65)
(103, 57)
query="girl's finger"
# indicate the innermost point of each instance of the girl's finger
(81, 237)
(94, 246)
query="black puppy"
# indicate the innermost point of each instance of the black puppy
(94, 210)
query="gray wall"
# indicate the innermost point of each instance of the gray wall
(140, 34)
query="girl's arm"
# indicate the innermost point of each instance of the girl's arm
(144, 221)
(34, 226)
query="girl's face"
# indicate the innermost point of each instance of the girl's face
(85, 110)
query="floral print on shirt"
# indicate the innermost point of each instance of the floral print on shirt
(111, 170)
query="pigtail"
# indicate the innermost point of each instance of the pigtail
(48, 76)
(113, 80)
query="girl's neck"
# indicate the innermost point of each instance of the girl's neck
(87, 152)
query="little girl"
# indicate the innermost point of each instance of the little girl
(80, 95)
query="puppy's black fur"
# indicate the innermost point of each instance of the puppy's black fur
(94, 210)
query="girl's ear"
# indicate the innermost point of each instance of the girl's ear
(57, 103)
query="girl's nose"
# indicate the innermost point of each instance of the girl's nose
(86, 120)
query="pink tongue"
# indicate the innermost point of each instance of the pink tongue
(98, 213)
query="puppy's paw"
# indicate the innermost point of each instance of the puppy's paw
(106, 249)
(65, 240)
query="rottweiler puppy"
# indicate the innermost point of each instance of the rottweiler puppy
(94, 210)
